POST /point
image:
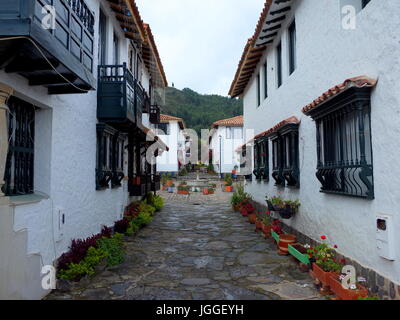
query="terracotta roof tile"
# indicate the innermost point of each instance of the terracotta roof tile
(360, 81)
(271, 130)
(164, 118)
(231, 122)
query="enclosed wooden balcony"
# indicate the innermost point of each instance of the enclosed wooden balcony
(50, 48)
(120, 98)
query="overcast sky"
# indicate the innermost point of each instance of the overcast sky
(201, 41)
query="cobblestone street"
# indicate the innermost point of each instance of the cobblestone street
(198, 248)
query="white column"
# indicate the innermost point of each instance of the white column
(5, 92)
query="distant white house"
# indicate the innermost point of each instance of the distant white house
(172, 131)
(225, 137)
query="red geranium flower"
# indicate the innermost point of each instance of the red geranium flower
(323, 237)
(335, 246)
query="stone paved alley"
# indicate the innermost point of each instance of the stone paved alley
(198, 248)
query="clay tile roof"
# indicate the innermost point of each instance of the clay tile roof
(360, 81)
(251, 56)
(164, 118)
(231, 122)
(291, 120)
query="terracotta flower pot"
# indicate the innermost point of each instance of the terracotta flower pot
(205, 192)
(267, 231)
(284, 241)
(252, 218)
(236, 208)
(259, 226)
(228, 189)
(169, 183)
(343, 293)
(321, 275)
(185, 192)
(243, 212)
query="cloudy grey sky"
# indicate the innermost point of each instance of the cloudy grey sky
(201, 41)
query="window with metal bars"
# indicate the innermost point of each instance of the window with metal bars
(344, 147)
(285, 156)
(261, 159)
(110, 157)
(19, 179)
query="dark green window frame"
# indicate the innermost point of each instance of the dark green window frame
(261, 159)
(292, 47)
(285, 156)
(265, 80)
(110, 157)
(258, 90)
(279, 64)
(344, 144)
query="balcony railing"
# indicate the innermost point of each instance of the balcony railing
(65, 38)
(120, 97)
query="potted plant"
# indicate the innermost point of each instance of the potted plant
(266, 224)
(289, 208)
(251, 215)
(259, 222)
(246, 208)
(342, 293)
(324, 264)
(284, 241)
(228, 184)
(183, 189)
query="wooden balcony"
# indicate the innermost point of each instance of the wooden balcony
(120, 98)
(55, 53)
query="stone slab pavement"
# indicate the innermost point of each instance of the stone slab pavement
(197, 248)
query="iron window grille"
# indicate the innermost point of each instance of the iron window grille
(344, 147)
(110, 157)
(261, 159)
(285, 156)
(19, 172)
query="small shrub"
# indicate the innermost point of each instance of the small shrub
(121, 226)
(143, 219)
(113, 249)
(76, 271)
(133, 228)
(155, 201)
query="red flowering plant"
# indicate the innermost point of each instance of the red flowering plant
(276, 226)
(264, 217)
(325, 256)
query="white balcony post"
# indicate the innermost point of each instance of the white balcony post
(5, 93)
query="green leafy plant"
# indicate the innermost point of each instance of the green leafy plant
(183, 187)
(155, 201)
(183, 172)
(240, 196)
(77, 271)
(228, 180)
(113, 249)
(368, 298)
(325, 257)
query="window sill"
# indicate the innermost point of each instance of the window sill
(23, 200)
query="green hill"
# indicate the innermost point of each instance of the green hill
(200, 111)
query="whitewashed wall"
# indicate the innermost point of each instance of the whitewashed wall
(226, 152)
(326, 56)
(168, 162)
(65, 163)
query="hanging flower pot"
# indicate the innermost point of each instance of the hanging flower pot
(284, 241)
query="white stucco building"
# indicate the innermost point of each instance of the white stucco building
(225, 137)
(172, 130)
(320, 89)
(74, 132)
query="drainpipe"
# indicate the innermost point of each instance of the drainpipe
(5, 93)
